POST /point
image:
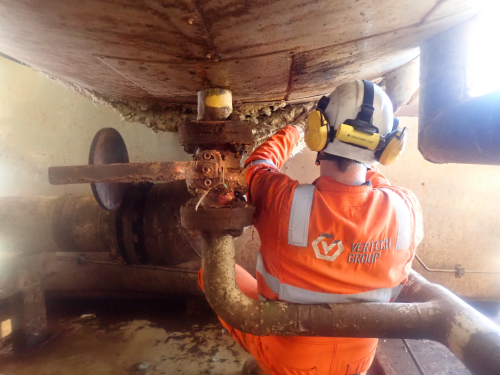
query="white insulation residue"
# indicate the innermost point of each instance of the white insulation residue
(266, 118)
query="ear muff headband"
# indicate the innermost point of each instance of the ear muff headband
(363, 121)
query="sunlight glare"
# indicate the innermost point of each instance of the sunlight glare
(484, 51)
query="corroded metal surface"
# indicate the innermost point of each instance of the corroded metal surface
(108, 147)
(51, 224)
(233, 217)
(431, 312)
(215, 132)
(105, 280)
(130, 225)
(81, 225)
(167, 242)
(129, 172)
(261, 50)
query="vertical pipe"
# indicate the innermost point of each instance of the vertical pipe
(214, 104)
(443, 72)
(453, 128)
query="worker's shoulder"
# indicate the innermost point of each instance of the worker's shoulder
(408, 196)
(398, 189)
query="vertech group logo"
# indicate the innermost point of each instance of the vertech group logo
(326, 248)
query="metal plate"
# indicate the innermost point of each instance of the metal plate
(215, 132)
(108, 147)
(223, 218)
(167, 50)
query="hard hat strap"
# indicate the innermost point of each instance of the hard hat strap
(363, 121)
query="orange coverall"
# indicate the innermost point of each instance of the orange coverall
(323, 243)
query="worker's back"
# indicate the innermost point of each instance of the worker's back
(333, 243)
(330, 242)
(326, 242)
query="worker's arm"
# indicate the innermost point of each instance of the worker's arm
(263, 173)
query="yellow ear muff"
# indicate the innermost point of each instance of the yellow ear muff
(316, 131)
(395, 144)
(347, 134)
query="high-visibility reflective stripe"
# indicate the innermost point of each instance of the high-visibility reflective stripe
(294, 294)
(404, 220)
(272, 282)
(265, 161)
(298, 224)
(396, 290)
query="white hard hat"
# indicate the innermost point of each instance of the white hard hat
(345, 103)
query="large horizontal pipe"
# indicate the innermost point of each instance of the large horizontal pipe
(432, 312)
(146, 230)
(453, 128)
(51, 224)
(103, 279)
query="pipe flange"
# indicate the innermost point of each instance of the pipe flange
(130, 225)
(215, 133)
(233, 218)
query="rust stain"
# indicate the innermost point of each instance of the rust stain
(297, 67)
(200, 35)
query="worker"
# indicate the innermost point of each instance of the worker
(350, 236)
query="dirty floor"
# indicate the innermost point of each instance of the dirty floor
(131, 337)
(172, 337)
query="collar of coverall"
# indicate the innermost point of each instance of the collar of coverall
(325, 183)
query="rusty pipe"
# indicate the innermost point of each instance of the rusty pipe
(122, 173)
(431, 312)
(94, 278)
(146, 228)
(51, 224)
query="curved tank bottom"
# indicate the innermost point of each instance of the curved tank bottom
(263, 51)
